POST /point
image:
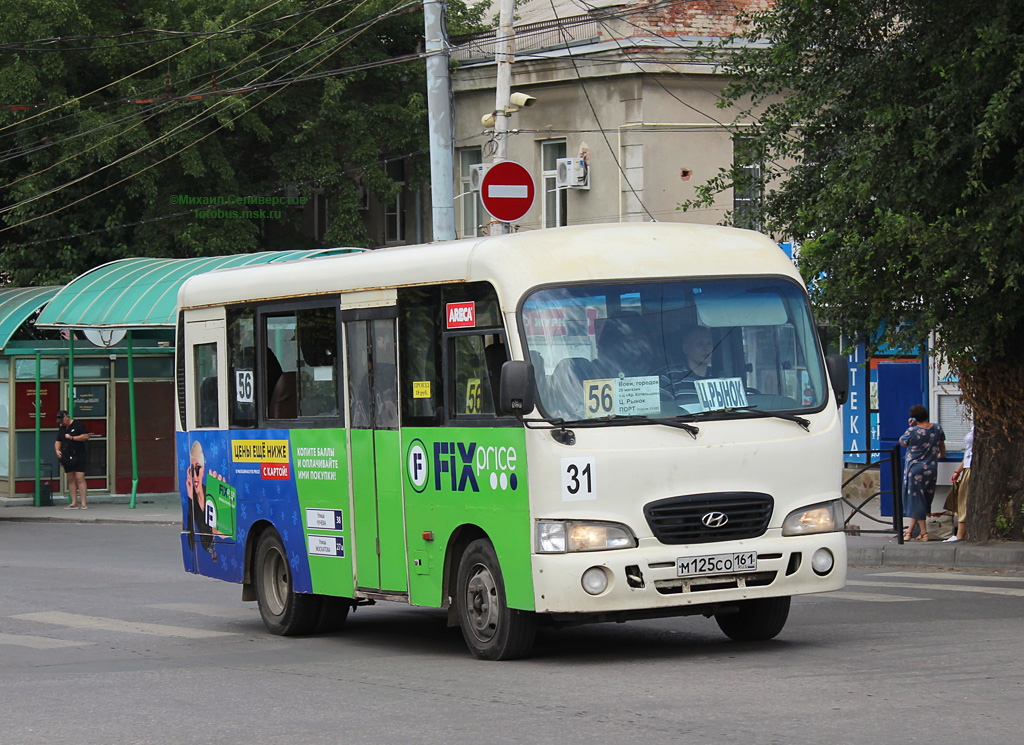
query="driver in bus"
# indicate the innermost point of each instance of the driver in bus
(697, 346)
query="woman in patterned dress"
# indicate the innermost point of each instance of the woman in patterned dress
(926, 443)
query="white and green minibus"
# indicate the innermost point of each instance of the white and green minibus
(593, 423)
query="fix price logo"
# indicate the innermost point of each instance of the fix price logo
(462, 466)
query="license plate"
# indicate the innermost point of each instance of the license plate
(702, 566)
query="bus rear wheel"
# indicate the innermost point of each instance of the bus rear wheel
(755, 620)
(284, 611)
(492, 630)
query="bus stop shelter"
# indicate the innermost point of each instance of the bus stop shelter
(114, 300)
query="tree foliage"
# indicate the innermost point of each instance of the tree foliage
(890, 133)
(135, 104)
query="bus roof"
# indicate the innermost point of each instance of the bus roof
(513, 263)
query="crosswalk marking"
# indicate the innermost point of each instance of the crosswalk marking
(954, 575)
(212, 611)
(38, 642)
(76, 621)
(870, 597)
(1011, 591)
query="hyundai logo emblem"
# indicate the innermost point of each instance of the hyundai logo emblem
(715, 519)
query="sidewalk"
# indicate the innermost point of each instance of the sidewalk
(153, 509)
(882, 549)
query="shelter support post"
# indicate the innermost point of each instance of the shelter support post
(39, 424)
(131, 417)
(71, 373)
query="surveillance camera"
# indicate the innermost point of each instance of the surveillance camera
(487, 120)
(521, 100)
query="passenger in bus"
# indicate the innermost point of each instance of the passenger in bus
(566, 392)
(624, 347)
(495, 355)
(283, 399)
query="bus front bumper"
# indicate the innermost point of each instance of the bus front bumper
(646, 581)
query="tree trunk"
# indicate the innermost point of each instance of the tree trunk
(996, 489)
(995, 393)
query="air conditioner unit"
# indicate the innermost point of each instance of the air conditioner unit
(572, 173)
(477, 171)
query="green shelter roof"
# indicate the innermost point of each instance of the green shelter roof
(140, 292)
(17, 304)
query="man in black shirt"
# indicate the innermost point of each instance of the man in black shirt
(70, 447)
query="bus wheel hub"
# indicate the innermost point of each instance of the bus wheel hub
(482, 611)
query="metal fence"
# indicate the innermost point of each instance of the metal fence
(888, 459)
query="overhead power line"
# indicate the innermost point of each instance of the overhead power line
(310, 65)
(147, 67)
(615, 156)
(48, 44)
(201, 116)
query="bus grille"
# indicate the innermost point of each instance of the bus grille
(683, 519)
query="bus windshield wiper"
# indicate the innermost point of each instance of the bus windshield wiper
(636, 419)
(806, 424)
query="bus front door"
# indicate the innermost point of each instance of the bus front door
(378, 520)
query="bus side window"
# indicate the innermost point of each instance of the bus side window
(207, 405)
(301, 364)
(420, 320)
(475, 368)
(317, 364)
(241, 368)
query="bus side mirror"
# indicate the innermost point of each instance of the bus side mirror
(517, 391)
(839, 373)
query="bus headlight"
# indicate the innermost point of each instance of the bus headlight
(826, 517)
(562, 536)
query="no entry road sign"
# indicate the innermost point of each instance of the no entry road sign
(507, 191)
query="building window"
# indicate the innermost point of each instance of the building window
(747, 192)
(394, 214)
(555, 199)
(473, 215)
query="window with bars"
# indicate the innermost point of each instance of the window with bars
(748, 189)
(474, 218)
(555, 200)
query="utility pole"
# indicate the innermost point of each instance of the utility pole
(503, 90)
(439, 117)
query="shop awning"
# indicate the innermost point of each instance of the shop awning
(136, 293)
(17, 304)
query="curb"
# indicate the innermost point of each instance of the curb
(938, 556)
(88, 521)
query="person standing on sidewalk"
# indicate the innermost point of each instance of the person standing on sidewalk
(961, 480)
(926, 443)
(70, 447)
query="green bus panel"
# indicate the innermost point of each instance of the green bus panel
(390, 521)
(364, 488)
(466, 476)
(320, 467)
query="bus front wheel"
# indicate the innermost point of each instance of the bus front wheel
(755, 620)
(284, 611)
(492, 630)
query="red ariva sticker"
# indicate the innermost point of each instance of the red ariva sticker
(461, 315)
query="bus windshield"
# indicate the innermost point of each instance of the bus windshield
(673, 348)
